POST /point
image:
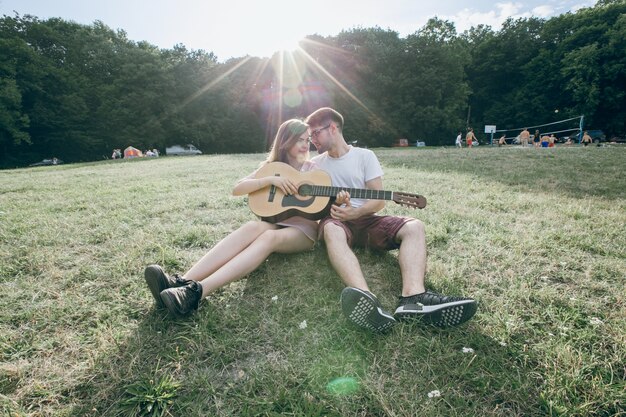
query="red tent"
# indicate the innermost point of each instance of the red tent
(131, 152)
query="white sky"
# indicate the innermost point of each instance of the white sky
(235, 28)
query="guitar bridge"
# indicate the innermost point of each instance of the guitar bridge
(272, 194)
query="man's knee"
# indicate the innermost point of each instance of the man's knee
(334, 233)
(412, 228)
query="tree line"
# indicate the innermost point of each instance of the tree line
(78, 91)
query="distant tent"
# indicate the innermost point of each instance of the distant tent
(131, 152)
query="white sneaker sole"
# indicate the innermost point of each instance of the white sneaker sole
(441, 315)
(153, 275)
(363, 310)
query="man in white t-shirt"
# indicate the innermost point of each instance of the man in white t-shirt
(353, 223)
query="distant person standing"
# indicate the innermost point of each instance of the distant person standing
(459, 140)
(502, 140)
(545, 141)
(536, 138)
(586, 139)
(524, 137)
(470, 137)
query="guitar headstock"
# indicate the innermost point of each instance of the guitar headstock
(409, 200)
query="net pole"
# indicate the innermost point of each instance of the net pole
(580, 130)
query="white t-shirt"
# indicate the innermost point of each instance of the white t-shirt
(351, 170)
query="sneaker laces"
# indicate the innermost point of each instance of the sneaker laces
(429, 298)
(196, 291)
(190, 294)
(180, 281)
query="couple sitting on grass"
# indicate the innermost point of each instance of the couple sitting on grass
(350, 223)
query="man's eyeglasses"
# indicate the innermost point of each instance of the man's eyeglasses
(316, 132)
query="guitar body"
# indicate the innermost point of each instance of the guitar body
(272, 205)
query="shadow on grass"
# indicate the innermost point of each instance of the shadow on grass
(273, 345)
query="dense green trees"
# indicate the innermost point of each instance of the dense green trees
(575, 62)
(76, 91)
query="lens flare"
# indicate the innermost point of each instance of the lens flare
(343, 386)
(292, 97)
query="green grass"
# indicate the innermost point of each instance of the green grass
(538, 237)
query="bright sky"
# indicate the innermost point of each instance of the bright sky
(235, 28)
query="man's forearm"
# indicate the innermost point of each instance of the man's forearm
(371, 207)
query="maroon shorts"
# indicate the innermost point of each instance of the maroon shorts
(372, 232)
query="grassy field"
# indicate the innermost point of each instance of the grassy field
(537, 236)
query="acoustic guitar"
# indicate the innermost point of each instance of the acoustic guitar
(315, 195)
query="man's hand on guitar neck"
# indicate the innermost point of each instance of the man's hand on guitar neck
(342, 198)
(343, 210)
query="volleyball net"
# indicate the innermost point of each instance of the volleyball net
(572, 128)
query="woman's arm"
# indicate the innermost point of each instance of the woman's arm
(249, 185)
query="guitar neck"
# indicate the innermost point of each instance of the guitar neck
(326, 191)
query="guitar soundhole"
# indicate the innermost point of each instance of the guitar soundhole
(305, 189)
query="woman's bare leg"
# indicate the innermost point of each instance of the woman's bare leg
(229, 247)
(287, 240)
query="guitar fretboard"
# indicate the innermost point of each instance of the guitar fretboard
(326, 191)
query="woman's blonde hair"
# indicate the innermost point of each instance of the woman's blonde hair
(288, 134)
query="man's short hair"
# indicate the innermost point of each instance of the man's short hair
(324, 116)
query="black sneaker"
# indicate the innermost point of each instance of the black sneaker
(158, 281)
(436, 309)
(363, 309)
(181, 301)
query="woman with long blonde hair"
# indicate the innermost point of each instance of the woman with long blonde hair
(242, 251)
